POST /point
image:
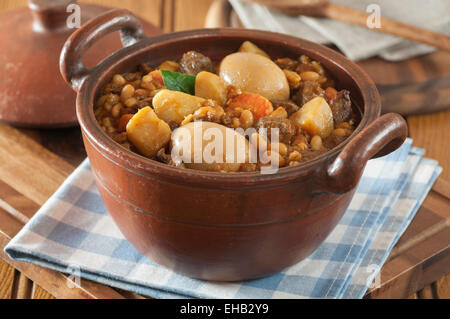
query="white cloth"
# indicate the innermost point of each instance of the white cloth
(355, 42)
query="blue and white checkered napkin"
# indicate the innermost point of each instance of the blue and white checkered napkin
(73, 233)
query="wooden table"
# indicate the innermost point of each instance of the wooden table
(33, 163)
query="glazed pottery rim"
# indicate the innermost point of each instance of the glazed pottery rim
(141, 165)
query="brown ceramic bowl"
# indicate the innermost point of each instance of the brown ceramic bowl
(218, 226)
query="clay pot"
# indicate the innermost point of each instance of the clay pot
(217, 226)
(32, 92)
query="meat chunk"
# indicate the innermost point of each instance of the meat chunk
(289, 106)
(286, 128)
(341, 106)
(307, 91)
(194, 62)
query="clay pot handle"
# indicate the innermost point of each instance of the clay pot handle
(381, 137)
(71, 65)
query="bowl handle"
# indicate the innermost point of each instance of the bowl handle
(381, 137)
(72, 68)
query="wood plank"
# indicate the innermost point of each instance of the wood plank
(28, 167)
(67, 143)
(415, 268)
(422, 255)
(9, 224)
(6, 280)
(22, 286)
(427, 292)
(54, 282)
(16, 204)
(130, 294)
(431, 131)
(218, 14)
(150, 10)
(443, 287)
(57, 283)
(12, 4)
(432, 218)
(167, 16)
(190, 14)
(416, 70)
(40, 293)
(428, 131)
(439, 205)
(442, 187)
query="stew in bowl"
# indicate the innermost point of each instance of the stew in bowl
(286, 111)
(224, 221)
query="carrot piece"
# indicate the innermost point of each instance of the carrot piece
(330, 93)
(124, 119)
(255, 103)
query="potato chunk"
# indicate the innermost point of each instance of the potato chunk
(147, 132)
(256, 74)
(210, 86)
(174, 106)
(208, 146)
(250, 47)
(315, 117)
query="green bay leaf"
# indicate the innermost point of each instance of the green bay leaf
(179, 82)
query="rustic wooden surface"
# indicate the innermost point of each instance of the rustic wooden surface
(410, 268)
(33, 163)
